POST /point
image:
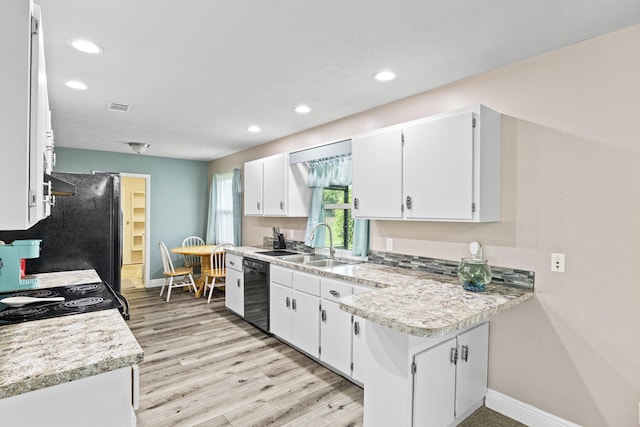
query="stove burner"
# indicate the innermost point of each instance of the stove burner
(81, 289)
(20, 313)
(37, 293)
(83, 304)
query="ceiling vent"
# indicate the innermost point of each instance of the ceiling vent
(121, 108)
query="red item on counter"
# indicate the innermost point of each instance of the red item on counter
(23, 266)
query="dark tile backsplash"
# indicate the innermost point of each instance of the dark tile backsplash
(502, 275)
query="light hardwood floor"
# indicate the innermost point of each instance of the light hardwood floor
(206, 367)
(203, 366)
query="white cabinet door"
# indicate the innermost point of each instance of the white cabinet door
(306, 322)
(473, 358)
(335, 337)
(280, 314)
(253, 188)
(377, 174)
(438, 168)
(275, 185)
(434, 385)
(234, 291)
(360, 350)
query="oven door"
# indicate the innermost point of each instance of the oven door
(256, 293)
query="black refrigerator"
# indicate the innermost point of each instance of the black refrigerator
(84, 231)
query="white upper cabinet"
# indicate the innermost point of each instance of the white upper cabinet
(273, 187)
(253, 204)
(24, 109)
(444, 167)
(376, 174)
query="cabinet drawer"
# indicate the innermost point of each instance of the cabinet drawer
(307, 283)
(333, 290)
(233, 262)
(280, 275)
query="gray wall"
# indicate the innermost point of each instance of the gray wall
(179, 190)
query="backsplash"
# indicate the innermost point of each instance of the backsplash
(501, 275)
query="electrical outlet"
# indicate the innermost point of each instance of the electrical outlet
(557, 262)
(389, 245)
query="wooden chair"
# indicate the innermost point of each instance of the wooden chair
(218, 269)
(170, 273)
(192, 260)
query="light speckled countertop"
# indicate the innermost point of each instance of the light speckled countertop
(43, 353)
(410, 301)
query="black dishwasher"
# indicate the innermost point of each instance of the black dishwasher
(256, 293)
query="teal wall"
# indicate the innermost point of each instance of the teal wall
(179, 191)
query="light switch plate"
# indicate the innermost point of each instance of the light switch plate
(389, 245)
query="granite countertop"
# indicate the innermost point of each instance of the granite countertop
(43, 353)
(409, 301)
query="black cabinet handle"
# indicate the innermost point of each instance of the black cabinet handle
(238, 282)
(286, 302)
(356, 328)
(323, 315)
(293, 304)
(334, 293)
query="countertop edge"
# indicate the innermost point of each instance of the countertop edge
(37, 383)
(431, 332)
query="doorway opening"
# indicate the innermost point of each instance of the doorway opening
(135, 192)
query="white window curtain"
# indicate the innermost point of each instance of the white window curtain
(223, 224)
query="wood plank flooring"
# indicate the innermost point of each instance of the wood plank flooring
(203, 366)
(206, 367)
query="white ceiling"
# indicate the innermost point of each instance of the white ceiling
(199, 72)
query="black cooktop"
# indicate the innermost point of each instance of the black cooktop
(79, 299)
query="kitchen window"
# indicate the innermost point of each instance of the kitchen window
(337, 203)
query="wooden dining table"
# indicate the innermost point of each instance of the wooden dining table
(204, 252)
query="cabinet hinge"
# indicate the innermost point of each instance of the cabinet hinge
(351, 366)
(319, 350)
(401, 207)
(473, 207)
(320, 307)
(402, 137)
(414, 368)
(473, 122)
(352, 319)
(34, 26)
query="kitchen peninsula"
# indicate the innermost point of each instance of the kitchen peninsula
(426, 337)
(80, 365)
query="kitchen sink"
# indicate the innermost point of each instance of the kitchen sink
(320, 261)
(304, 259)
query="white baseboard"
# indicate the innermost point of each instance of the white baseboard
(523, 412)
(155, 283)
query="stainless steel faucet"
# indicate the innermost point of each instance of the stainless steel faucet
(332, 252)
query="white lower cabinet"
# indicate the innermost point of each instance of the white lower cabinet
(342, 342)
(294, 309)
(335, 337)
(424, 381)
(234, 285)
(450, 379)
(78, 403)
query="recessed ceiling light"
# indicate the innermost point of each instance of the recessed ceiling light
(302, 109)
(74, 84)
(254, 129)
(86, 46)
(384, 76)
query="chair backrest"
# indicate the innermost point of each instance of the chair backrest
(167, 265)
(218, 257)
(192, 241)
